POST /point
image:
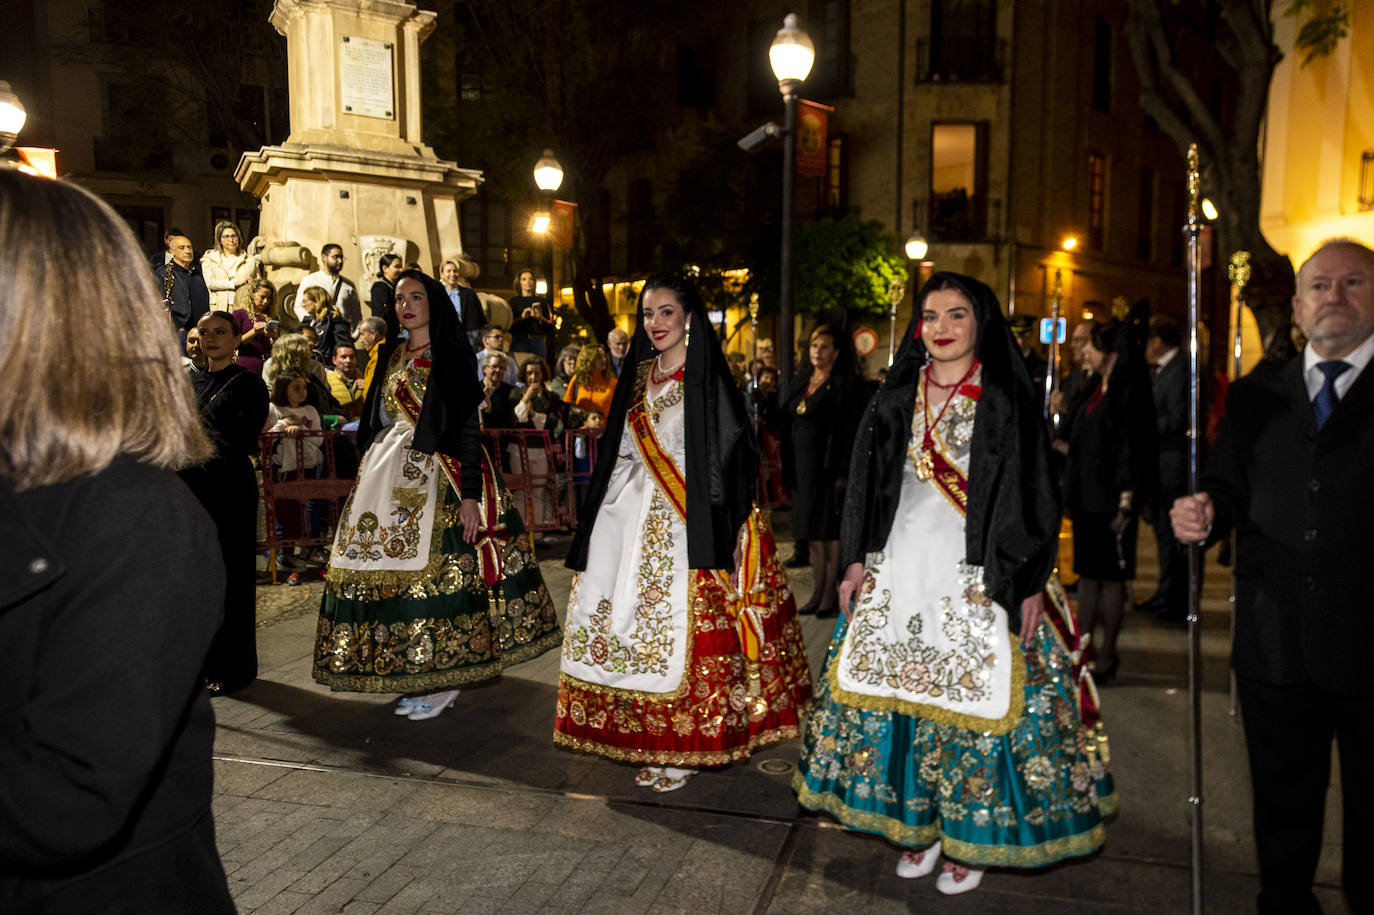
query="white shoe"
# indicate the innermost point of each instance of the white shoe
(671, 779)
(407, 705)
(432, 705)
(648, 775)
(913, 864)
(951, 885)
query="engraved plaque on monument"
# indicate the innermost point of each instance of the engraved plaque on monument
(365, 77)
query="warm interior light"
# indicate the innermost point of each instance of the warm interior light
(1070, 243)
(548, 173)
(1209, 209)
(791, 54)
(916, 247)
(541, 287)
(12, 116)
(540, 224)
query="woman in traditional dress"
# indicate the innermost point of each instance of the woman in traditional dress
(672, 660)
(431, 583)
(948, 716)
(233, 407)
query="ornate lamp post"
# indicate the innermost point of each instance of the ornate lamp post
(548, 177)
(791, 56)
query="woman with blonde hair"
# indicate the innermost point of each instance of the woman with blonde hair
(258, 326)
(592, 386)
(115, 593)
(228, 269)
(330, 326)
(291, 354)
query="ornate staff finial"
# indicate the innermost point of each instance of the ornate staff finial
(1121, 307)
(896, 290)
(1194, 188)
(754, 307)
(1239, 271)
(1058, 293)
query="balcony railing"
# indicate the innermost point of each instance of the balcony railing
(961, 60)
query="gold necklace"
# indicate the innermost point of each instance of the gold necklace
(925, 459)
(801, 407)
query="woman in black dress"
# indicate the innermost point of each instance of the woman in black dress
(384, 289)
(533, 323)
(233, 407)
(1109, 475)
(823, 411)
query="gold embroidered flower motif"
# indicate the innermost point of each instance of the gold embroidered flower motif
(915, 676)
(1038, 773)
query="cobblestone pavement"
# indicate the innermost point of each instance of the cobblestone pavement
(329, 803)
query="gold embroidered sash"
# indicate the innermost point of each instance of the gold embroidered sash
(749, 600)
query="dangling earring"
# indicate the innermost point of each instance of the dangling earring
(687, 334)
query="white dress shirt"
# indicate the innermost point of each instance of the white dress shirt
(1314, 377)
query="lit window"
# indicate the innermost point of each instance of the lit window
(958, 171)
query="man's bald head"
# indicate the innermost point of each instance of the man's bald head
(181, 250)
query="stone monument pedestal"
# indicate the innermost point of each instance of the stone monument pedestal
(354, 170)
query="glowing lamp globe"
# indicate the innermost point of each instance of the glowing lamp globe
(791, 54)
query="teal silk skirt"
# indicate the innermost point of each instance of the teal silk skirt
(1027, 798)
(390, 631)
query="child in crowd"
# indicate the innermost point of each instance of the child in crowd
(288, 412)
(584, 450)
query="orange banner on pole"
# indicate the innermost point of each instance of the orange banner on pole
(561, 223)
(812, 123)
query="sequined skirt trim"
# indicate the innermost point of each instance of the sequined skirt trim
(438, 632)
(1027, 798)
(729, 708)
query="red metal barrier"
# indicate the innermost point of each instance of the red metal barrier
(531, 463)
(287, 495)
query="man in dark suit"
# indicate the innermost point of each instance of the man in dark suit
(1292, 471)
(465, 301)
(190, 297)
(1169, 386)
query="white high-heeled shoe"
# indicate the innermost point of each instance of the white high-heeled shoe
(433, 705)
(913, 864)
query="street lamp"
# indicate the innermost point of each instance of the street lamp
(548, 177)
(1069, 243)
(12, 117)
(790, 55)
(548, 173)
(916, 247)
(1209, 209)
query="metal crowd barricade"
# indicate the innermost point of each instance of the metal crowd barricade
(579, 449)
(302, 505)
(531, 463)
(545, 474)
